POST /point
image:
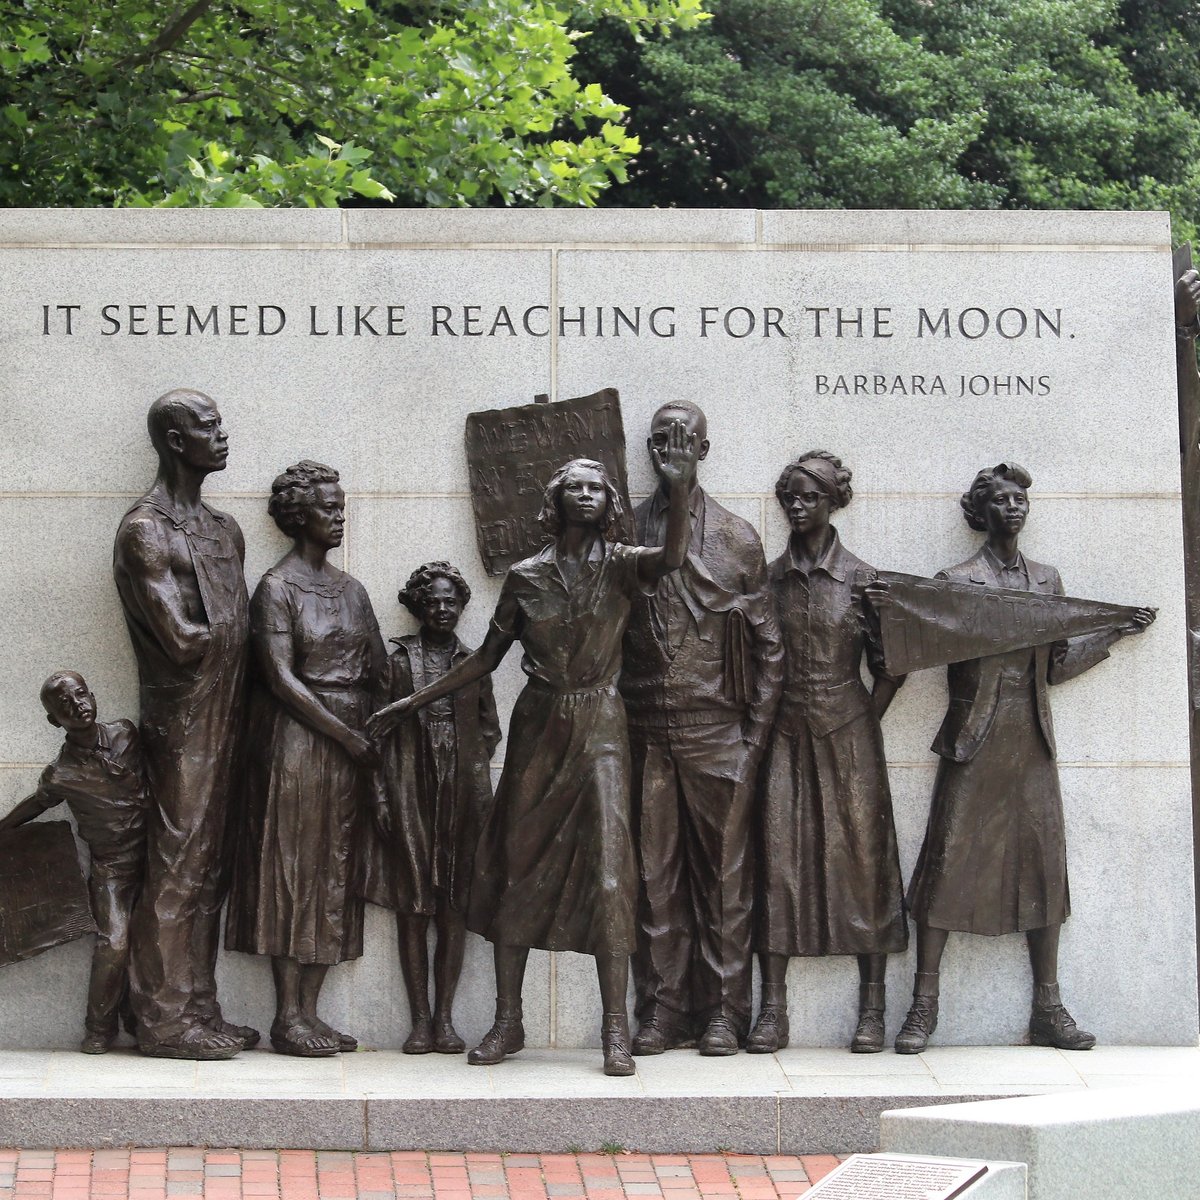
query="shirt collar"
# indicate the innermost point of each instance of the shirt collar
(993, 560)
(79, 754)
(832, 562)
(544, 564)
(659, 502)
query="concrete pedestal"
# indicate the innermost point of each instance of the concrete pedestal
(1091, 1146)
(795, 1102)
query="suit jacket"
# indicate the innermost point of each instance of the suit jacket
(975, 684)
(732, 657)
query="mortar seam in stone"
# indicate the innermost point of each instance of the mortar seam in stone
(634, 247)
(1069, 764)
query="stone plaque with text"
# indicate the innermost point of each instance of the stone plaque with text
(898, 1177)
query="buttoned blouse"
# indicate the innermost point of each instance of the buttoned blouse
(570, 634)
(825, 635)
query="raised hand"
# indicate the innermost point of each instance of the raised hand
(675, 463)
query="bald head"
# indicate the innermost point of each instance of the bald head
(692, 415)
(689, 415)
(185, 429)
(59, 682)
(179, 408)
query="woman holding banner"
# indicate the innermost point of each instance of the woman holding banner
(994, 859)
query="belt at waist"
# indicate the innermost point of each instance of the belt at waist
(608, 688)
(683, 718)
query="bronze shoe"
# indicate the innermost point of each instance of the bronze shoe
(420, 1040)
(770, 1032)
(445, 1037)
(918, 1026)
(505, 1037)
(654, 1036)
(614, 1038)
(868, 1037)
(1053, 1026)
(719, 1038)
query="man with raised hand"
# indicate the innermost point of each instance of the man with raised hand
(701, 679)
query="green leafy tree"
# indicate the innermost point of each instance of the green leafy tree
(915, 104)
(267, 103)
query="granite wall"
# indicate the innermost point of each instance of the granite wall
(918, 345)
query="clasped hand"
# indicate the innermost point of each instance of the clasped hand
(381, 723)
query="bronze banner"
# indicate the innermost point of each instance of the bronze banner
(932, 622)
(43, 898)
(511, 454)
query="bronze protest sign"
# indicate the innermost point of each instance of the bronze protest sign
(511, 454)
(43, 898)
(932, 622)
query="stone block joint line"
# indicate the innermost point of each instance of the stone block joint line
(157, 1174)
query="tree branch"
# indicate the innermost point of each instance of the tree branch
(169, 35)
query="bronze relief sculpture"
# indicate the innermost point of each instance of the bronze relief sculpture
(555, 865)
(994, 855)
(99, 774)
(701, 679)
(310, 780)
(178, 569)
(438, 787)
(829, 870)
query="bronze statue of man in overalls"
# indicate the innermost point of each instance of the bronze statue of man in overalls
(178, 568)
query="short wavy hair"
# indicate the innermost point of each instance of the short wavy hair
(293, 491)
(416, 591)
(977, 495)
(842, 492)
(550, 518)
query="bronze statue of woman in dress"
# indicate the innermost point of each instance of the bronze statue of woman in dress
(555, 867)
(829, 880)
(310, 779)
(994, 859)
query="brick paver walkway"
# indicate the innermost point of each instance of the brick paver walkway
(408, 1175)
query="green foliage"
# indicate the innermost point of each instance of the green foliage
(916, 104)
(306, 103)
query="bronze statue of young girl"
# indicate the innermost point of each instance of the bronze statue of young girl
(437, 782)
